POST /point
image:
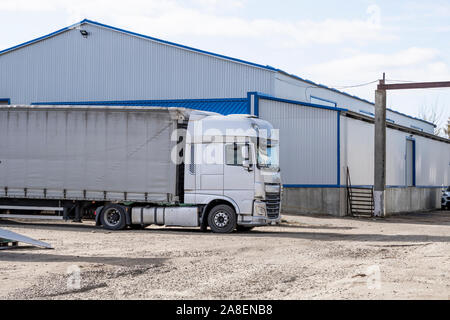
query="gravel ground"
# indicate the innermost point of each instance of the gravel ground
(306, 257)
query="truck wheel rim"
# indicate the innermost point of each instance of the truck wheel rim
(221, 219)
(112, 217)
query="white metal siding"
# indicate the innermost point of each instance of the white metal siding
(110, 65)
(308, 142)
(432, 162)
(432, 157)
(294, 89)
(359, 151)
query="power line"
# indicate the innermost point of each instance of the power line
(357, 85)
(338, 87)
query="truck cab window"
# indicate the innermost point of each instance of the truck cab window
(234, 154)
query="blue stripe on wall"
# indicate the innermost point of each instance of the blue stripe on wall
(353, 186)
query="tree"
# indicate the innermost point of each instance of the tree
(434, 114)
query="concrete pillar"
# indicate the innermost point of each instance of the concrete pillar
(380, 154)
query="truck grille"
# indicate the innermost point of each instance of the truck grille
(273, 205)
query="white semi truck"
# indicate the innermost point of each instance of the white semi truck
(137, 166)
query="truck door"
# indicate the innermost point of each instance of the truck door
(239, 182)
(209, 168)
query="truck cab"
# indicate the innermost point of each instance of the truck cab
(232, 168)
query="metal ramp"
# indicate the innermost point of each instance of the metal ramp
(9, 239)
(360, 201)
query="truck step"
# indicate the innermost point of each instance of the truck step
(35, 208)
(30, 216)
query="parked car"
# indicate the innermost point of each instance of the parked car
(445, 202)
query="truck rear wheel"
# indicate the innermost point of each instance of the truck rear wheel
(113, 217)
(222, 219)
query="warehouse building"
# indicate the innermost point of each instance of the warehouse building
(325, 133)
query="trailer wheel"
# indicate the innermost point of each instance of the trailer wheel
(113, 217)
(222, 219)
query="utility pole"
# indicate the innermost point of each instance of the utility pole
(380, 152)
(380, 136)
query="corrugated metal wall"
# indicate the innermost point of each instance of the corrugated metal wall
(358, 149)
(110, 65)
(432, 157)
(288, 87)
(308, 142)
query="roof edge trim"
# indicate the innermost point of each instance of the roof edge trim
(321, 86)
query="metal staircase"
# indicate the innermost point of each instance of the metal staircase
(359, 200)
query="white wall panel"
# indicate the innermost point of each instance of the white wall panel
(432, 157)
(432, 162)
(359, 151)
(291, 88)
(110, 65)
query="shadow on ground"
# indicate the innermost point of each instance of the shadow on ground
(44, 257)
(440, 217)
(330, 236)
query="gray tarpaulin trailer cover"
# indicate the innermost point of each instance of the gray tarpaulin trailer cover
(89, 153)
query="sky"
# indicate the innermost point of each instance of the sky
(337, 43)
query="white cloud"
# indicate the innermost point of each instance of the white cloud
(213, 5)
(368, 63)
(413, 64)
(210, 18)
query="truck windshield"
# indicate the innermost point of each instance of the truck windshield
(268, 154)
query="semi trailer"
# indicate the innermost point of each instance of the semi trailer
(131, 166)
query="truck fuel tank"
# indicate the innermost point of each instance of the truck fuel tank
(166, 216)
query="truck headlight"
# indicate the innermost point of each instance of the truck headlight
(260, 209)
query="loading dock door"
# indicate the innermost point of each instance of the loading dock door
(410, 163)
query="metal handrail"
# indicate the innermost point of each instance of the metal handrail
(349, 185)
(349, 195)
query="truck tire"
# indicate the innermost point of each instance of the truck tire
(222, 219)
(113, 217)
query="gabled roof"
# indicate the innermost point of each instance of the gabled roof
(87, 21)
(267, 67)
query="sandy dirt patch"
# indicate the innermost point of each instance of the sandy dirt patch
(306, 257)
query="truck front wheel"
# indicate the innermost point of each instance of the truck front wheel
(113, 217)
(222, 219)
